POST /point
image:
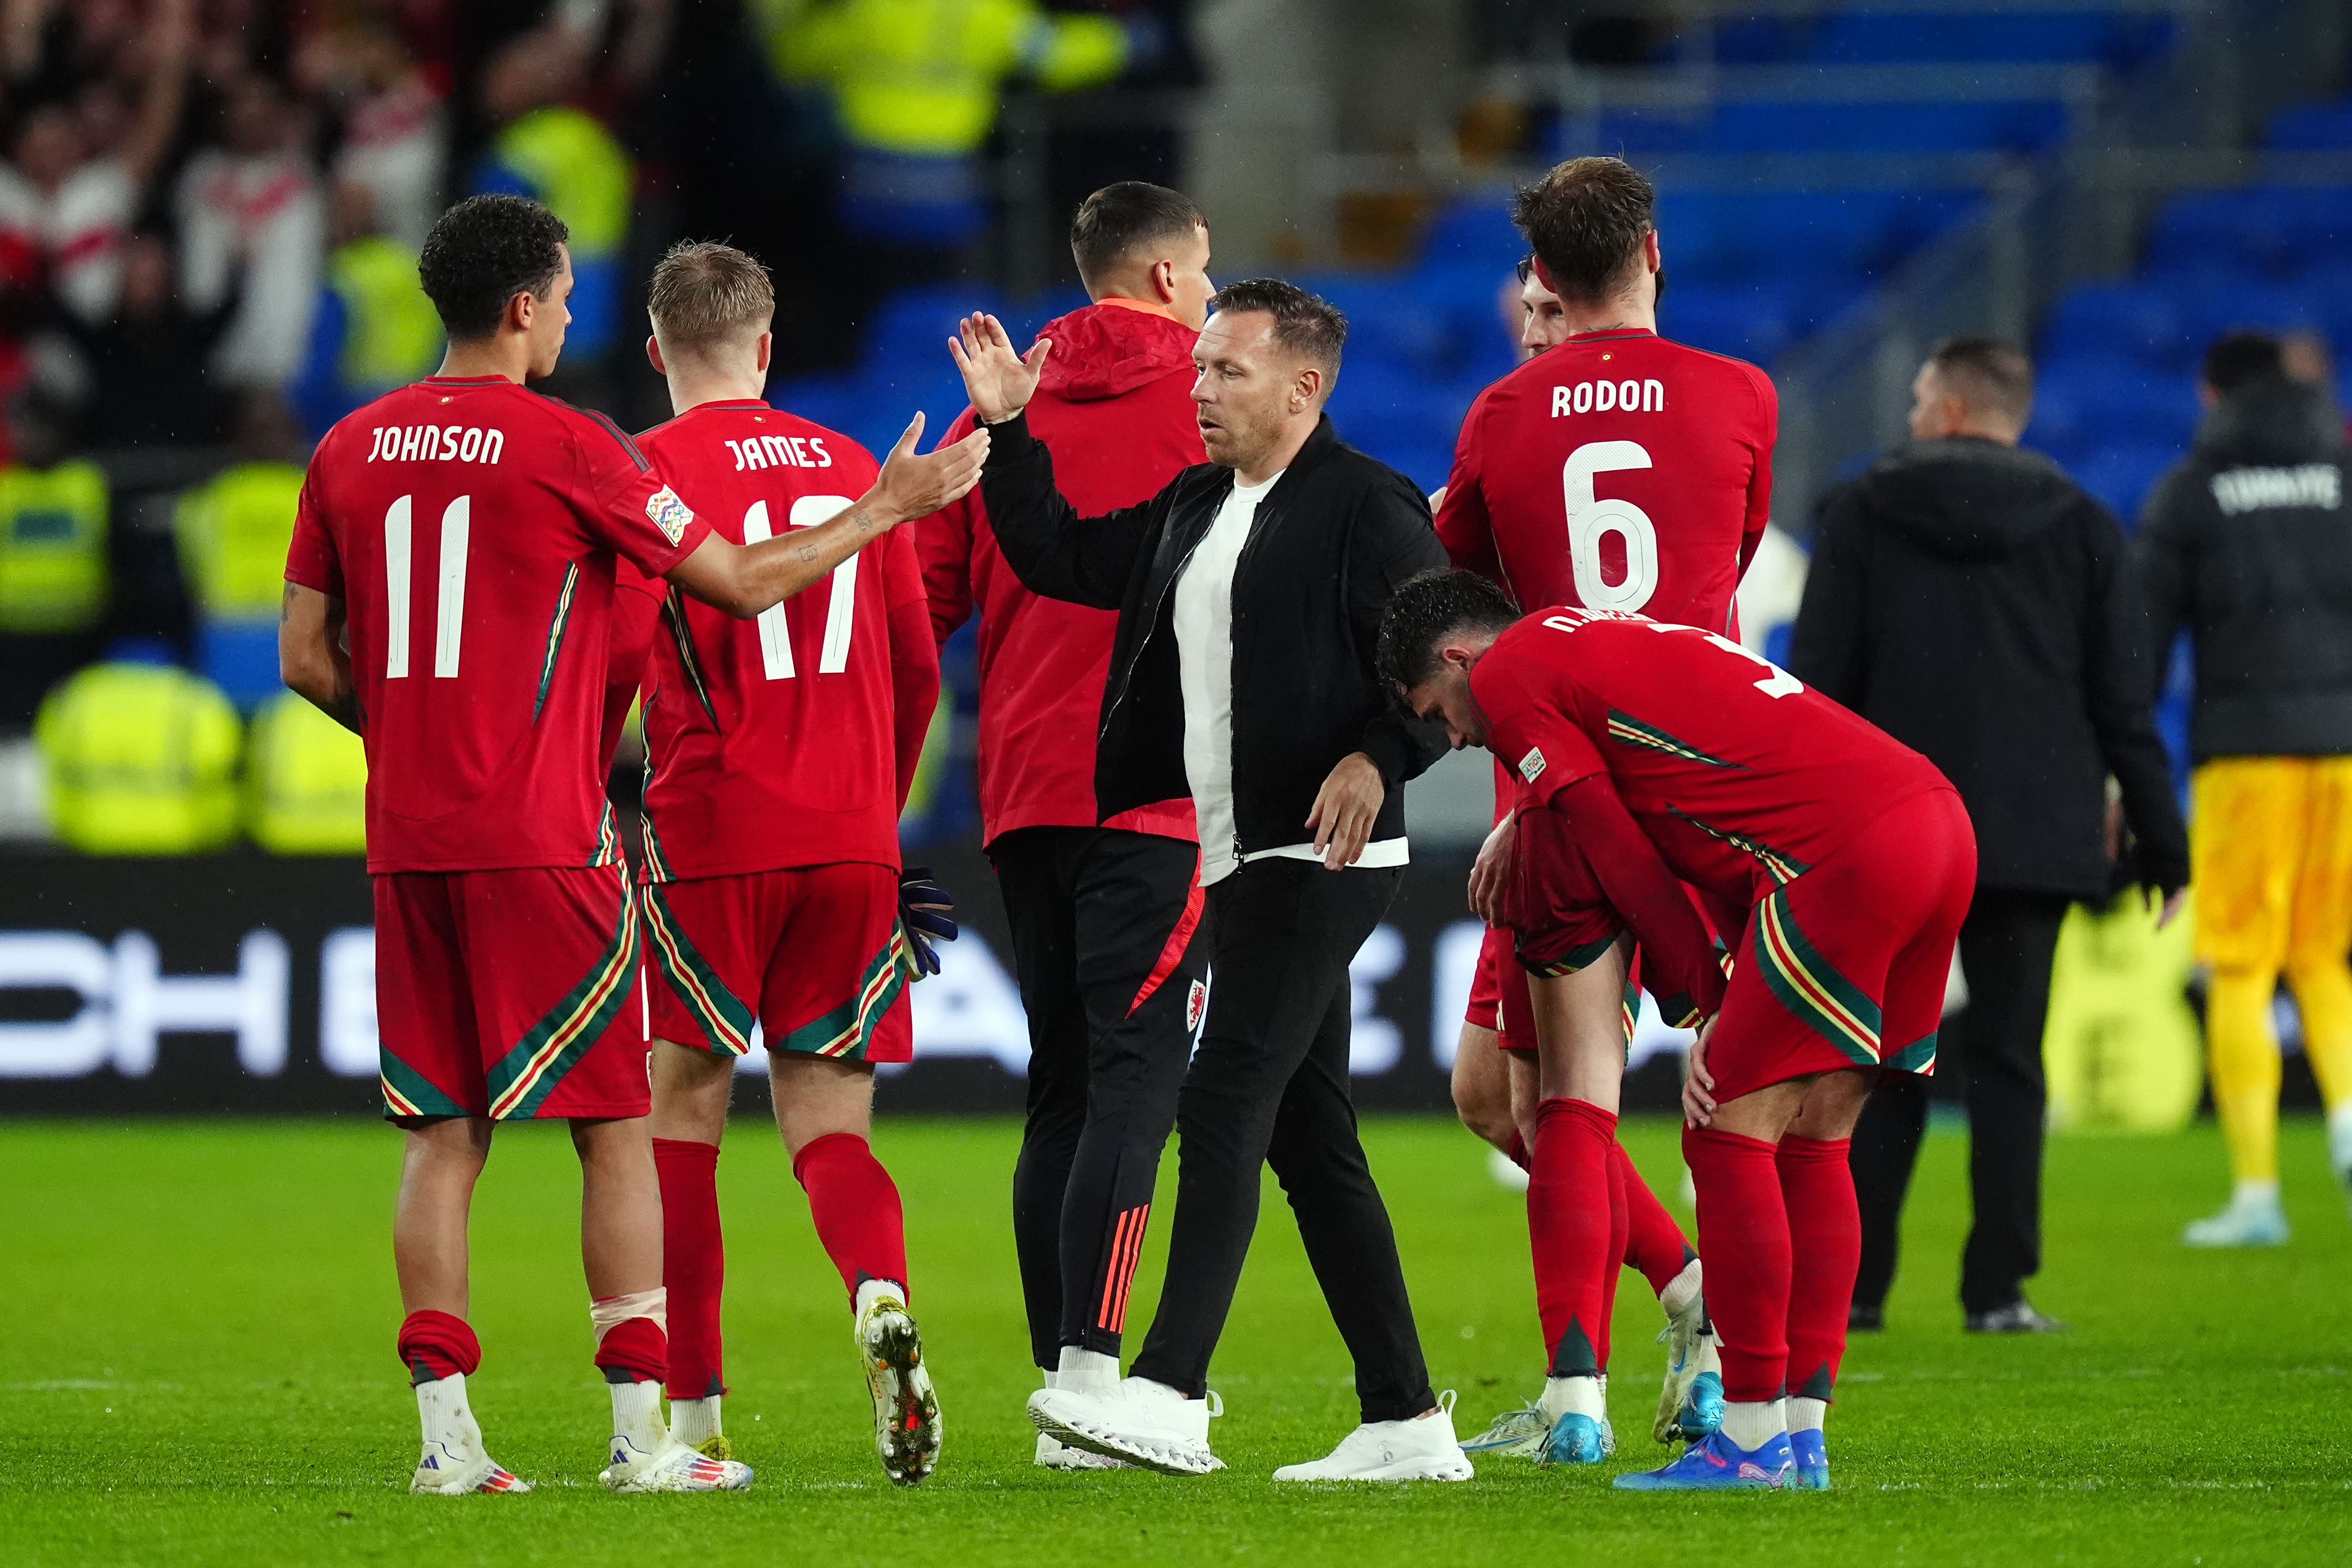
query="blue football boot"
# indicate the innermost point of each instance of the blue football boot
(1575, 1440)
(1809, 1456)
(1716, 1463)
(1702, 1411)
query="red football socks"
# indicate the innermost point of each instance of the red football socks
(694, 1263)
(1519, 1154)
(633, 1350)
(434, 1345)
(1743, 1233)
(1825, 1238)
(856, 1206)
(1610, 1272)
(1569, 1232)
(1654, 1243)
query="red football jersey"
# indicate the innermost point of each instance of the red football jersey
(480, 655)
(1618, 471)
(780, 741)
(1740, 775)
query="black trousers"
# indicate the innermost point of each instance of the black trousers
(2006, 947)
(1105, 950)
(1269, 1086)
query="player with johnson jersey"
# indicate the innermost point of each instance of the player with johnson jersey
(451, 597)
(779, 755)
(1668, 755)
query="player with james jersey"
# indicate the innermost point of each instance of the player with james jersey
(1667, 756)
(451, 598)
(1618, 470)
(779, 755)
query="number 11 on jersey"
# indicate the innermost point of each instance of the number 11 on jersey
(775, 635)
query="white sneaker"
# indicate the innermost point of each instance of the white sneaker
(906, 1409)
(671, 1467)
(441, 1473)
(2246, 1222)
(1420, 1449)
(1056, 1454)
(1145, 1422)
(1684, 1342)
(1507, 1172)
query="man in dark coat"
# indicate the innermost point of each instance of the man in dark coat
(1975, 603)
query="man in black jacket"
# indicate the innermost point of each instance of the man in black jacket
(2247, 549)
(1973, 602)
(1250, 592)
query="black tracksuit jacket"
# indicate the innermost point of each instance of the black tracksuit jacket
(1976, 605)
(1330, 544)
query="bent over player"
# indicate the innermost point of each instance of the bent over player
(1676, 755)
(1617, 470)
(450, 598)
(778, 755)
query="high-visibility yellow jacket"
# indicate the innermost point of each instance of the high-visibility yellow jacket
(305, 781)
(53, 570)
(140, 759)
(921, 78)
(573, 165)
(391, 336)
(233, 533)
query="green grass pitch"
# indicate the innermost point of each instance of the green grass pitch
(198, 1368)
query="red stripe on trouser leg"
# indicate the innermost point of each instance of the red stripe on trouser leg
(1825, 1250)
(1611, 1273)
(1126, 1250)
(1654, 1243)
(635, 1346)
(694, 1263)
(1743, 1234)
(856, 1206)
(434, 1345)
(1568, 1230)
(1171, 951)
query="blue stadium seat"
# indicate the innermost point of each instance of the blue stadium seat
(2310, 127)
(2086, 403)
(2091, 38)
(2128, 318)
(2122, 475)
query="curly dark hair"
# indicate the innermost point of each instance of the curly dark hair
(1430, 607)
(481, 254)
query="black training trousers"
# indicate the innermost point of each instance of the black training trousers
(1269, 1085)
(2006, 947)
(1104, 948)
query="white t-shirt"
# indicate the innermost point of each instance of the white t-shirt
(1203, 621)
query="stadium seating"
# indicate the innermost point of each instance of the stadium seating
(2118, 360)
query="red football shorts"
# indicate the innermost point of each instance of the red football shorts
(509, 993)
(1847, 965)
(814, 953)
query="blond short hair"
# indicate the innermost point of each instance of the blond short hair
(706, 296)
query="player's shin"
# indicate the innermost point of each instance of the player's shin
(694, 1270)
(1569, 1234)
(1744, 1236)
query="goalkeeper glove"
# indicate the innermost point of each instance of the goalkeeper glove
(927, 916)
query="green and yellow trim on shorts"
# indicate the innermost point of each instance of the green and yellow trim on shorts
(846, 1031)
(725, 1018)
(520, 1081)
(1811, 987)
(407, 1092)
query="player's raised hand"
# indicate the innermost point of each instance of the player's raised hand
(999, 380)
(917, 484)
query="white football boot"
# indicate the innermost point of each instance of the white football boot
(2254, 1218)
(452, 1463)
(906, 1408)
(670, 1467)
(1422, 1449)
(1144, 1423)
(1507, 1172)
(1686, 1310)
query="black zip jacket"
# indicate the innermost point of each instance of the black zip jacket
(1976, 605)
(2247, 546)
(1330, 544)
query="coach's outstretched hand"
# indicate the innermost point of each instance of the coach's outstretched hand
(999, 381)
(927, 916)
(916, 484)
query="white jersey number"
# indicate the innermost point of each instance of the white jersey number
(1777, 683)
(775, 637)
(449, 613)
(1589, 518)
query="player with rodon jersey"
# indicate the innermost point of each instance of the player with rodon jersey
(450, 598)
(778, 755)
(1617, 470)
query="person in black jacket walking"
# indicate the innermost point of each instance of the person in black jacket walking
(1976, 604)
(1250, 590)
(2246, 549)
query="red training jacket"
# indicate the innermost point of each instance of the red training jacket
(1115, 407)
